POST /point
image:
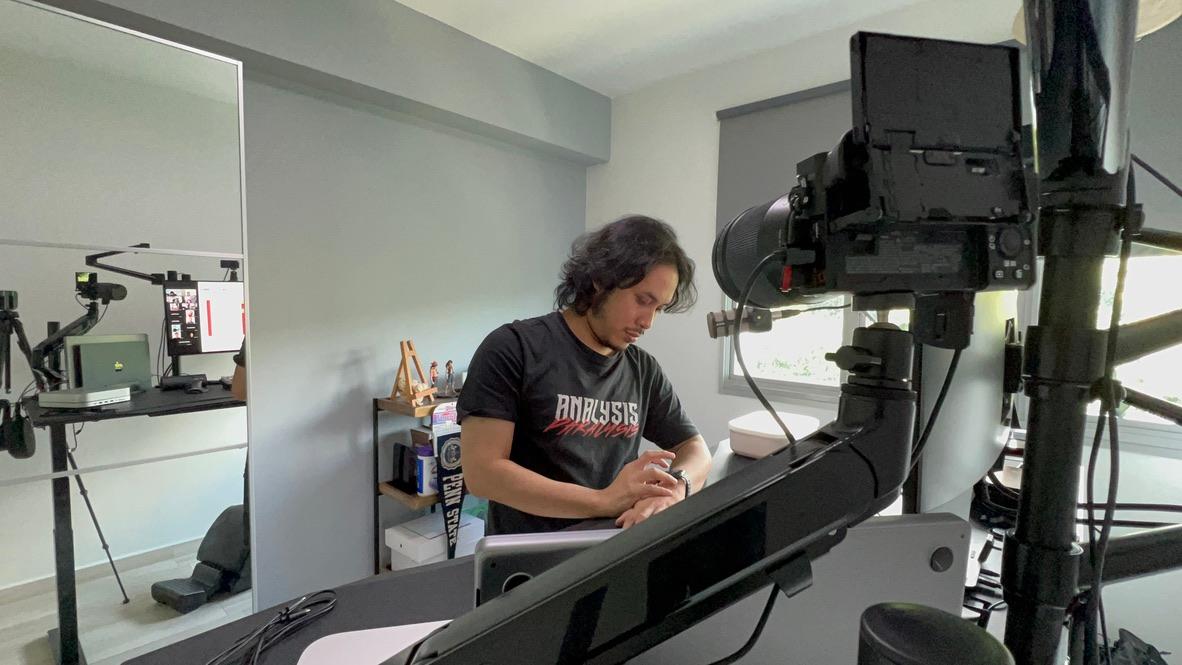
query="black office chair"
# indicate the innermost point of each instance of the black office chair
(223, 561)
(223, 565)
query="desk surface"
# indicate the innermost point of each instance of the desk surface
(154, 402)
(434, 592)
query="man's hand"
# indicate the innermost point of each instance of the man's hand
(644, 509)
(637, 480)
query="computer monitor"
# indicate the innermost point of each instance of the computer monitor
(204, 317)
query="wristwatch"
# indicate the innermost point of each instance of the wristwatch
(680, 475)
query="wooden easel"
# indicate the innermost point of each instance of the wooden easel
(405, 387)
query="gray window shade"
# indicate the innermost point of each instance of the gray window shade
(758, 150)
(760, 143)
(1155, 104)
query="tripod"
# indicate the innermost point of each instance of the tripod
(50, 378)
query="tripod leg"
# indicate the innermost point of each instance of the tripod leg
(97, 528)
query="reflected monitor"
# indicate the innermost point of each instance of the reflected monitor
(204, 317)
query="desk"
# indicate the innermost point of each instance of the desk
(63, 641)
(442, 591)
(882, 559)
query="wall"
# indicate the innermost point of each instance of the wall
(367, 227)
(403, 180)
(385, 53)
(97, 148)
(664, 163)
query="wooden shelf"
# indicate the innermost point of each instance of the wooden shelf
(409, 500)
(400, 407)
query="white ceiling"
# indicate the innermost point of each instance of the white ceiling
(617, 46)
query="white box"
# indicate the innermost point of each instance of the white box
(424, 540)
(757, 435)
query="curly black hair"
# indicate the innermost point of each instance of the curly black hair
(618, 256)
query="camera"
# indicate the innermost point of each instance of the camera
(88, 286)
(927, 193)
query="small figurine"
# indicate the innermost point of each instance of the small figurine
(434, 373)
(449, 387)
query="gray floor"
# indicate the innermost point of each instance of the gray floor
(111, 632)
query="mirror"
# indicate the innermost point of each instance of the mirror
(111, 139)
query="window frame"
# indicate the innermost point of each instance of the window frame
(792, 393)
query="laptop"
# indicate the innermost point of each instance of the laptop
(507, 561)
(97, 362)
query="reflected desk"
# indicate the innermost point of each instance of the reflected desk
(63, 640)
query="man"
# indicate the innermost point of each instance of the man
(554, 407)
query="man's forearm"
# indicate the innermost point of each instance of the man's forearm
(513, 485)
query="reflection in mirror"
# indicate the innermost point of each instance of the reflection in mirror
(115, 139)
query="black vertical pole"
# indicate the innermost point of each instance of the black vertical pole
(1081, 55)
(377, 553)
(64, 640)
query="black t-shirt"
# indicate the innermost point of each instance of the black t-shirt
(578, 415)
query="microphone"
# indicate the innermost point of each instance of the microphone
(755, 319)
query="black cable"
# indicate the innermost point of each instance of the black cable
(25, 390)
(1002, 487)
(742, 307)
(1143, 507)
(160, 346)
(1107, 412)
(1133, 524)
(817, 309)
(746, 648)
(249, 648)
(103, 315)
(1157, 174)
(917, 386)
(927, 430)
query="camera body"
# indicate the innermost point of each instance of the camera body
(928, 192)
(86, 284)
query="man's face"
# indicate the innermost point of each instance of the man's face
(626, 314)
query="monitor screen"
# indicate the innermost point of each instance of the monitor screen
(204, 317)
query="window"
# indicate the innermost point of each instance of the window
(758, 146)
(788, 363)
(1147, 293)
(794, 351)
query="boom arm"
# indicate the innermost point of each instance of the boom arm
(759, 526)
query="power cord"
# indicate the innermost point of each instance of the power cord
(249, 648)
(160, 347)
(746, 648)
(1157, 174)
(996, 505)
(927, 430)
(1099, 547)
(742, 307)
